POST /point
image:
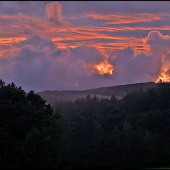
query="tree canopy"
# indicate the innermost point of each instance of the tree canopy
(30, 131)
(109, 133)
(91, 132)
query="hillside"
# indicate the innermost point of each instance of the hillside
(105, 92)
(90, 133)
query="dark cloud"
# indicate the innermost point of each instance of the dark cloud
(36, 63)
(39, 65)
(158, 43)
(130, 69)
(88, 54)
(37, 42)
(5, 47)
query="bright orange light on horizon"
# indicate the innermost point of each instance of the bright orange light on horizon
(104, 68)
(164, 75)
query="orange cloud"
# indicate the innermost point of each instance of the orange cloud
(8, 17)
(104, 67)
(8, 42)
(164, 75)
(73, 37)
(107, 40)
(101, 68)
(68, 36)
(125, 19)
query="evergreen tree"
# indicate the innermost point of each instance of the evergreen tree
(30, 131)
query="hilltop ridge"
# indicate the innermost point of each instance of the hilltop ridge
(105, 92)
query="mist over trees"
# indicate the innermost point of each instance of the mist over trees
(109, 133)
(90, 132)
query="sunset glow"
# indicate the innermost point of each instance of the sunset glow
(59, 43)
(164, 75)
(104, 68)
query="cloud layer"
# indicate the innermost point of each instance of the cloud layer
(60, 46)
(40, 65)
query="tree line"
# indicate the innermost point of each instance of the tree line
(90, 133)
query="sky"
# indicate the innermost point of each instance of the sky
(70, 45)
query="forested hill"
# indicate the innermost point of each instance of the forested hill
(105, 92)
(89, 133)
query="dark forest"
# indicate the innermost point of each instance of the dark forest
(88, 133)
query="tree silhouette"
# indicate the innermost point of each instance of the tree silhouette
(30, 131)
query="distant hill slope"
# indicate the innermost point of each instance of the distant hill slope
(105, 92)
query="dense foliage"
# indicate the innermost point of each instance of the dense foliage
(30, 131)
(91, 132)
(129, 133)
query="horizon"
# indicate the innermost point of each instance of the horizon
(96, 88)
(86, 45)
